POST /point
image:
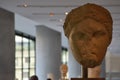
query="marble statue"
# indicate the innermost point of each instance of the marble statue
(63, 71)
(89, 32)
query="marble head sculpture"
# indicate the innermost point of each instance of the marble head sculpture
(89, 32)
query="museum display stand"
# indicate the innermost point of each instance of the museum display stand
(85, 76)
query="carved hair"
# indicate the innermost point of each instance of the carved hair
(93, 11)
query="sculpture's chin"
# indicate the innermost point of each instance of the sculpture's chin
(90, 63)
(88, 60)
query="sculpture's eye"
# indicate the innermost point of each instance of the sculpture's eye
(79, 36)
(98, 33)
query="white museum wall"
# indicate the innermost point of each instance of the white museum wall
(113, 66)
(25, 25)
(112, 62)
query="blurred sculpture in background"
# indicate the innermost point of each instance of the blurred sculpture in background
(63, 70)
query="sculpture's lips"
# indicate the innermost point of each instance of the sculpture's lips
(88, 54)
(91, 55)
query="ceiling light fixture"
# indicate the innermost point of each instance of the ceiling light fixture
(51, 14)
(66, 13)
(25, 5)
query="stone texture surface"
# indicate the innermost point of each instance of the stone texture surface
(89, 31)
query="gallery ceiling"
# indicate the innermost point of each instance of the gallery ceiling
(51, 13)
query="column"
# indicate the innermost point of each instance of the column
(48, 53)
(74, 68)
(7, 45)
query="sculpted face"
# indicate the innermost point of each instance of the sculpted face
(63, 68)
(89, 31)
(89, 40)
